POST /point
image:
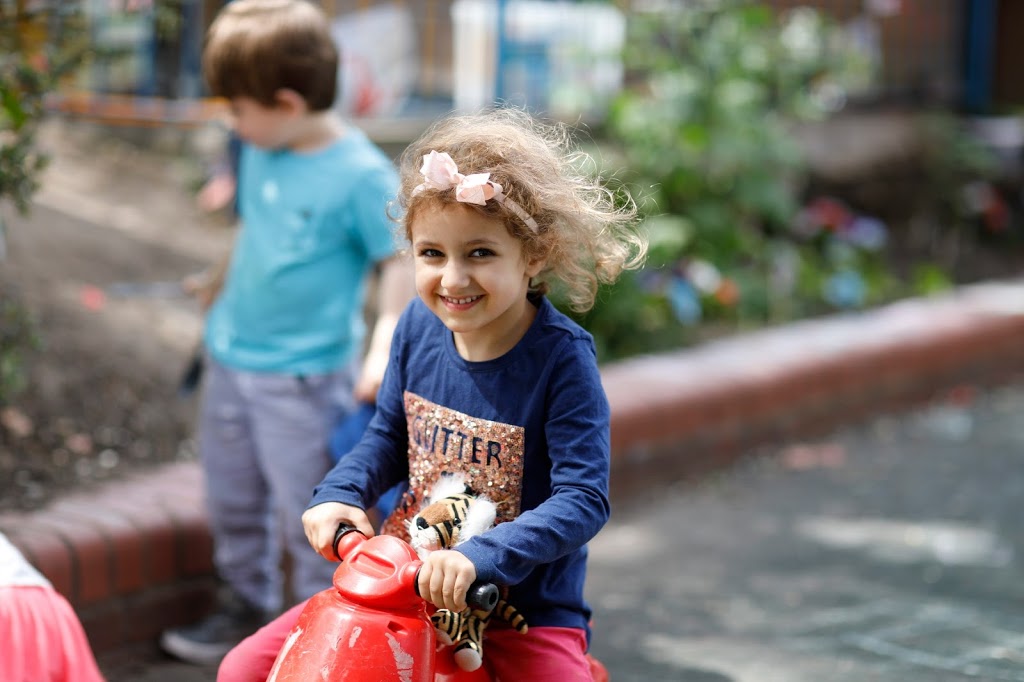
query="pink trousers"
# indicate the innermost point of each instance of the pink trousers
(41, 638)
(544, 654)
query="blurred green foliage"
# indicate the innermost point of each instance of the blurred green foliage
(40, 43)
(704, 129)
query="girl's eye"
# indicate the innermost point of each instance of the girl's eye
(430, 253)
(481, 253)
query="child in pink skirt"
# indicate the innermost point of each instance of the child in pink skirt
(41, 639)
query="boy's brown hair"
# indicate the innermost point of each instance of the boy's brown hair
(256, 47)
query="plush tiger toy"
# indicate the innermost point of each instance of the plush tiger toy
(454, 513)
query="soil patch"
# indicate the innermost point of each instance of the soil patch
(102, 387)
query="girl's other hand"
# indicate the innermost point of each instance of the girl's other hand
(445, 578)
(321, 523)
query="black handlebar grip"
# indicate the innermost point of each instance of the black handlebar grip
(482, 596)
(343, 530)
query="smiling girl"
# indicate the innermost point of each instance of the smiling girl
(486, 379)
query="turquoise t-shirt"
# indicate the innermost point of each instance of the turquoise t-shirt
(313, 225)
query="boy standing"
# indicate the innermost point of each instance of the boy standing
(284, 333)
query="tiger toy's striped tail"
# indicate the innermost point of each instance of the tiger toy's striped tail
(465, 631)
(511, 615)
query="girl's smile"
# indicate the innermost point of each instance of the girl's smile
(460, 303)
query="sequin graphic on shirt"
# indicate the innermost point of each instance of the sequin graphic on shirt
(443, 441)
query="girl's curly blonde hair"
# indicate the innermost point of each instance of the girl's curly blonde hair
(586, 237)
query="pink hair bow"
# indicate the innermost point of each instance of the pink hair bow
(440, 172)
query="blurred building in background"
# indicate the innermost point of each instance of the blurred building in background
(421, 57)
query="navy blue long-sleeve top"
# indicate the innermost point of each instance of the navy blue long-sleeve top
(529, 430)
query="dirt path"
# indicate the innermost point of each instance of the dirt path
(102, 387)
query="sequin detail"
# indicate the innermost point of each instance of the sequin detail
(444, 441)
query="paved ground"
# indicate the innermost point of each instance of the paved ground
(891, 552)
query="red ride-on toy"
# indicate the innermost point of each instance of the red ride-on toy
(372, 626)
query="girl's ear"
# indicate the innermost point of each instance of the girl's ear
(290, 102)
(535, 264)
